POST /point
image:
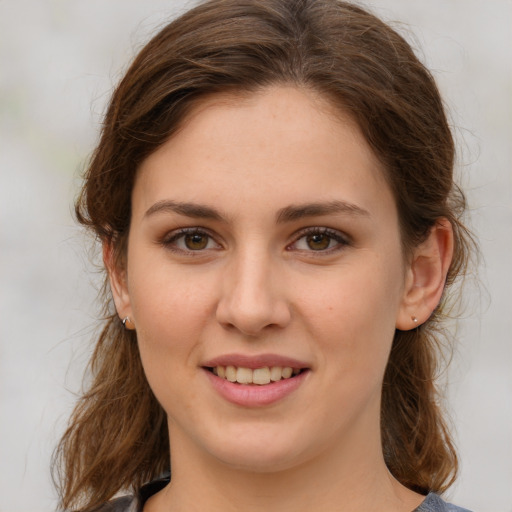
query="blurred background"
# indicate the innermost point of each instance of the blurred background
(59, 60)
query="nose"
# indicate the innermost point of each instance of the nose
(253, 296)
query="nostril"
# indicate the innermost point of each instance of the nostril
(252, 307)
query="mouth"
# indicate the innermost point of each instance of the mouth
(255, 376)
(256, 380)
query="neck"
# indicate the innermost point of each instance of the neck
(339, 479)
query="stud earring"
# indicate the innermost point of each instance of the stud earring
(414, 319)
(127, 324)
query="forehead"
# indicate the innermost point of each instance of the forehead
(282, 142)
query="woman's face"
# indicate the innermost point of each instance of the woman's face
(264, 242)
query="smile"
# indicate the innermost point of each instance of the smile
(255, 380)
(256, 376)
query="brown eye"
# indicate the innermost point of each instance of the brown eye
(196, 241)
(190, 240)
(318, 241)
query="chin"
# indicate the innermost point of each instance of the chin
(256, 461)
(260, 452)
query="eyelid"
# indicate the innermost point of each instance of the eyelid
(169, 239)
(343, 239)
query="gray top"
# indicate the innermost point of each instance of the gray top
(135, 503)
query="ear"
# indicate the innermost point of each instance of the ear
(118, 282)
(426, 276)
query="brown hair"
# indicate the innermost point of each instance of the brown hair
(117, 437)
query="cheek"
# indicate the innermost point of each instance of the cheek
(171, 310)
(165, 296)
(352, 316)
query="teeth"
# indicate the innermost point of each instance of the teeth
(244, 376)
(276, 373)
(259, 376)
(287, 372)
(230, 373)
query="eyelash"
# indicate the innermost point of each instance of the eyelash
(170, 240)
(341, 239)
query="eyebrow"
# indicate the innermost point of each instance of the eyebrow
(296, 212)
(287, 214)
(194, 210)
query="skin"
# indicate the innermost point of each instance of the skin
(255, 283)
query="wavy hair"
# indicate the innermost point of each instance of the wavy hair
(117, 437)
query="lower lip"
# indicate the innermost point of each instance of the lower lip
(253, 395)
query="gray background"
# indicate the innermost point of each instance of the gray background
(58, 61)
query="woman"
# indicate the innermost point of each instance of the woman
(273, 191)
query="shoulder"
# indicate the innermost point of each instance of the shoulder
(135, 502)
(434, 503)
(122, 504)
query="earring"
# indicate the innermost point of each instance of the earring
(414, 319)
(127, 324)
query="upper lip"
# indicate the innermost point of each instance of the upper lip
(255, 361)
